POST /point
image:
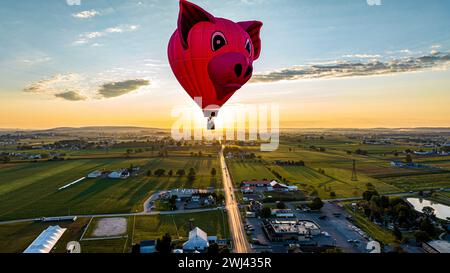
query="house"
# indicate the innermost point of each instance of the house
(148, 246)
(247, 190)
(198, 241)
(195, 198)
(282, 213)
(33, 157)
(94, 174)
(46, 241)
(120, 174)
(256, 184)
(183, 193)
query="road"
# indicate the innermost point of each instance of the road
(239, 239)
(117, 215)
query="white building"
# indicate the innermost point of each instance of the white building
(148, 247)
(120, 174)
(198, 241)
(373, 247)
(46, 241)
(282, 213)
(94, 174)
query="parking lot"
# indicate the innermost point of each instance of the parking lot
(336, 229)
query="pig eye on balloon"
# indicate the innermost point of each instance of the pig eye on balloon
(248, 46)
(218, 41)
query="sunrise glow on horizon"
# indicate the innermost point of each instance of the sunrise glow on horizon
(326, 71)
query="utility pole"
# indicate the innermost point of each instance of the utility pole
(354, 177)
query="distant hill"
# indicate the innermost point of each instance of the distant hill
(90, 129)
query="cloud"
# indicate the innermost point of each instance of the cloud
(86, 14)
(80, 87)
(52, 84)
(71, 96)
(35, 61)
(343, 68)
(116, 89)
(85, 38)
(361, 56)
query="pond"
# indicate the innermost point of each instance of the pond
(441, 211)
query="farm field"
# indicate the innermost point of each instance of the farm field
(31, 189)
(335, 165)
(420, 182)
(248, 171)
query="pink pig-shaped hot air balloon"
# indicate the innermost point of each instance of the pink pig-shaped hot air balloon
(212, 57)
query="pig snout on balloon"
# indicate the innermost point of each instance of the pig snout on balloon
(229, 72)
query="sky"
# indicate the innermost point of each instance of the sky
(341, 63)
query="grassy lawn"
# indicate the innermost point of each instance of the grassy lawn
(31, 189)
(376, 232)
(248, 170)
(153, 227)
(106, 246)
(441, 197)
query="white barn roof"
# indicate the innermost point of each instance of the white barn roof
(45, 242)
(198, 239)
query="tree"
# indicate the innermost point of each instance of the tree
(422, 236)
(265, 212)
(213, 172)
(281, 205)
(173, 202)
(397, 233)
(170, 173)
(213, 249)
(181, 173)
(164, 244)
(426, 226)
(367, 195)
(149, 173)
(428, 211)
(160, 172)
(408, 158)
(191, 174)
(316, 204)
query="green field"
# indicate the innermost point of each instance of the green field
(153, 227)
(248, 171)
(31, 189)
(336, 165)
(420, 182)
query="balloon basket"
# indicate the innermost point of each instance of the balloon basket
(211, 125)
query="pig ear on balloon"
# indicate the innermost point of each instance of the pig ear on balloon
(253, 29)
(190, 15)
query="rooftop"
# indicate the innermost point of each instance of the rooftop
(300, 227)
(440, 246)
(45, 242)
